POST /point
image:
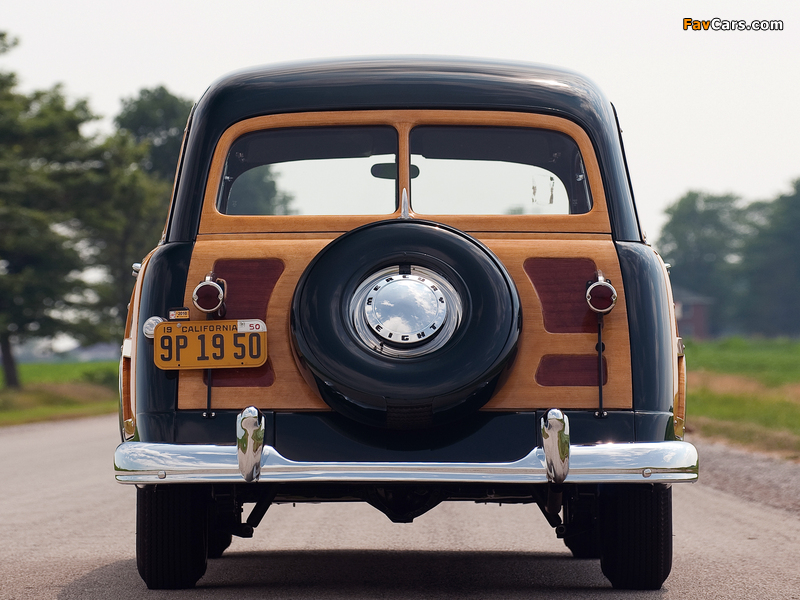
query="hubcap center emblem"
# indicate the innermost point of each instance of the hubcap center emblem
(405, 309)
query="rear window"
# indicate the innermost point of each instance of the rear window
(311, 171)
(496, 170)
(455, 170)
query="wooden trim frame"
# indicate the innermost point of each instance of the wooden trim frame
(594, 221)
(289, 391)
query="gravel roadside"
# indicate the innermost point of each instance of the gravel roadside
(758, 477)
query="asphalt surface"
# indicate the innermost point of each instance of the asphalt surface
(67, 531)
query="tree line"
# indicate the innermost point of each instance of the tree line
(77, 210)
(745, 258)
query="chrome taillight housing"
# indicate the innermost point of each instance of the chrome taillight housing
(209, 295)
(601, 295)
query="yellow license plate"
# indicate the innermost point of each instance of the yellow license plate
(210, 344)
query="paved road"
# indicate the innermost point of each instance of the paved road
(67, 531)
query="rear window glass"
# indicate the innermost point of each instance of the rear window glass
(311, 171)
(496, 170)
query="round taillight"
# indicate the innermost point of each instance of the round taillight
(601, 296)
(208, 296)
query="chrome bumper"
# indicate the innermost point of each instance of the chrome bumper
(557, 461)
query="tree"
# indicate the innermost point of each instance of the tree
(7, 42)
(158, 118)
(121, 218)
(703, 241)
(43, 157)
(35, 272)
(122, 213)
(70, 205)
(771, 268)
(256, 192)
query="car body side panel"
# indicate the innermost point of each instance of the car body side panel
(650, 327)
(156, 390)
(654, 426)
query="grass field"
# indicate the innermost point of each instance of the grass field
(772, 362)
(746, 392)
(93, 372)
(60, 390)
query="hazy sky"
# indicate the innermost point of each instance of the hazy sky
(708, 110)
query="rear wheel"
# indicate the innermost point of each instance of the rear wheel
(218, 542)
(636, 522)
(585, 544)
(171, 535)
(219, 536)
(582, 535)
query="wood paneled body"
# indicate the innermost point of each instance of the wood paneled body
(253, 280)
(542, 366)
(522, 390)
(288, 390)
(263, 257)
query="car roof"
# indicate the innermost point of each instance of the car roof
(390, 83)
(401, 83)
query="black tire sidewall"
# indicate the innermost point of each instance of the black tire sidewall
(171, 535)
(636, 521)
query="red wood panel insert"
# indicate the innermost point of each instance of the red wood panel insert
(560, 284)
(250, 284)
(570, 369)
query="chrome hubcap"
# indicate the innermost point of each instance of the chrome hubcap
(405, 309)
(405, 314)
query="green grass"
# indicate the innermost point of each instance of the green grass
(772, 362)
(773, 412)
(59, 391)
(104, 373)
(767, 419)
(18, 416)
(764, 425)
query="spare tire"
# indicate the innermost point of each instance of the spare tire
(405, 324)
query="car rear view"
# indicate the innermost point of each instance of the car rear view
(403, 282)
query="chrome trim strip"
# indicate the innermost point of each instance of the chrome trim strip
(405, 206)
(645, 462)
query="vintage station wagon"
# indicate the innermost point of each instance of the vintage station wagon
(403, 282)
